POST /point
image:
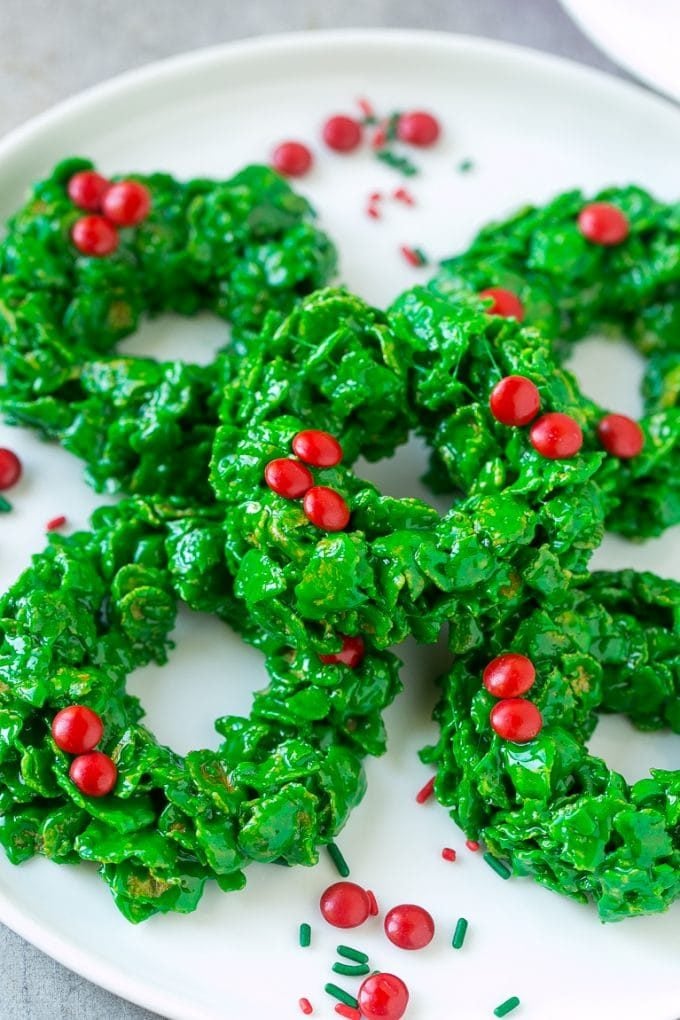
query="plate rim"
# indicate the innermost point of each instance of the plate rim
(58, 946)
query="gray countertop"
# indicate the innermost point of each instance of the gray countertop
(50, 49)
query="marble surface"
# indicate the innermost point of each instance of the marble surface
(50, 49)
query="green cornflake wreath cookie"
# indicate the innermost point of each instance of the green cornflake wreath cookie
(238, 248)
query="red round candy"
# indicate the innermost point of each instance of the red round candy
(509, 675)
(320, 449)
(556, 435)
(514, 400)
(383, 997)
(418, 128)
(94, 235)
(409, 926)
(621, 436)
(94, 774)
(342, 134)
(77, 729)
(326, 508)
(603, 223)
(288, 478)
(516, 719)
(504, 303)
(10, 468)
(292, 159)
(345, 905)
(351, 654)
(87, 188)
(127, 203)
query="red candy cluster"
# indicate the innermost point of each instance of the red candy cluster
(291, 479)
(509, 676)
(123, 204)
(77, 730)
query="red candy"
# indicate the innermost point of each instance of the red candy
(351, 654)
(509, 675)
(383, 997)
(514, 400)
(345, 905)
(418, 128)
(292, 159)
(409, 926)
(10, 468)
(448, 853)
(326, 508)
(94, 235)
(320, 449)
(127, 203)
(77, 729)
(342, 134)
(505, 303)
(288, 478)
(621, 436)
(516, 719)
(94, 774)
(556, 435)
(603, 223)
(87, 188)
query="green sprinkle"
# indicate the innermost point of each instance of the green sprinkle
(339, 993)
(507, 1006)
(5, 505)
(465, 166)
(501, 869)
(460, 933)
(352, 954)
(351, 969)
(422, 257)
(305, 935)
(400, 163)
(338, 860)
(391, 129)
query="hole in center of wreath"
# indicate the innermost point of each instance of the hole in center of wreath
(631, 751)
(211, 672)
(401, 475)
(609, 370)
(195, 339)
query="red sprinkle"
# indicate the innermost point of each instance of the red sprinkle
(379, 138)
(292, 159)
(418, 128)
(351, 654)
(556, 436)
(127, 203)
(10, 468)
(516, 719)
(87, 188)
(320, 449)
(77, 729)
(326, 508)
(448, 853)
(504, 303)
(288, 478)
(514, 400)
(94, 235)
(366, 107)
(621, 436)
(402, 195)
(373, 212)
(426, 792)
(602, 223)
(375, 196)
(306, 1007)
(409, 926)
(54, 523)
(472, 844)
(383, 997)
(411, 256)
(342, 134)
(374, 910)
(345, 905)
(94, 774)
(509, 675)
(348, 1011)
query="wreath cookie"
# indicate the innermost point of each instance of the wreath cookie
(86, 259)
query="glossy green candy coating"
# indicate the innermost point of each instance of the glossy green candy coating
(569, 288)
(238, 248)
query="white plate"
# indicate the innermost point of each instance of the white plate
(533, 125)
(642, 35)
